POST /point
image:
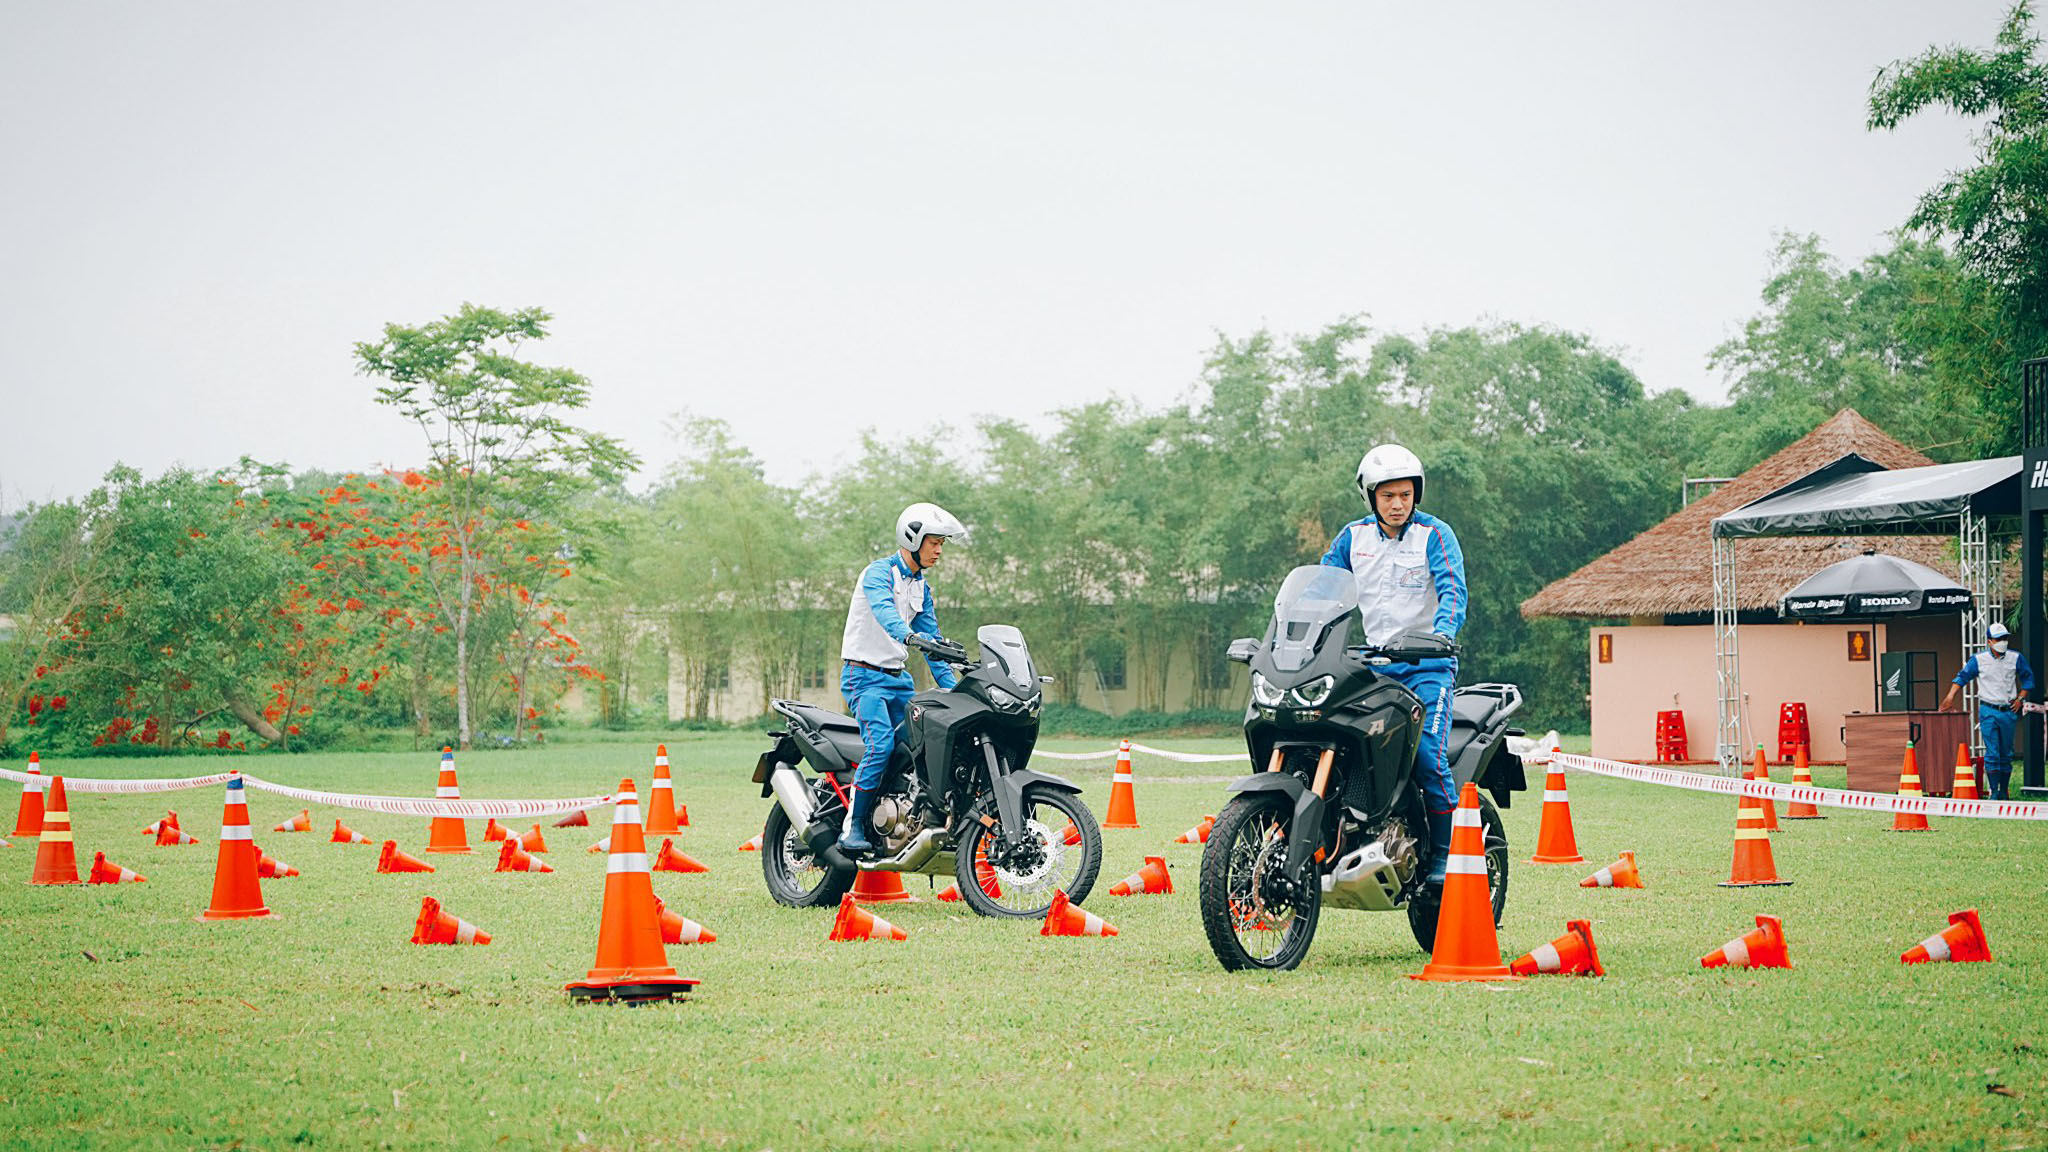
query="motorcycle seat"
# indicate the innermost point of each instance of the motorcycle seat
(1474, 709)
(822, 718)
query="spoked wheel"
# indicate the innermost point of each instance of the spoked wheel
(1019, 881)
(1256, 917)
(795, 878)
(1422, 913)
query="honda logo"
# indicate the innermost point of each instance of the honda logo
(1891, 682)
(2040, 477)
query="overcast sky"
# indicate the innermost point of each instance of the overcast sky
(809, 219)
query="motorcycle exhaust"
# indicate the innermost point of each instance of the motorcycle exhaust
(793, 794)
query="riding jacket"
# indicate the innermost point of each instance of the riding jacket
(887, 596)
(1413, 581)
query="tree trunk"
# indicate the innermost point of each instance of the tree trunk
(251, 717)
(462, 732)
(422, 716)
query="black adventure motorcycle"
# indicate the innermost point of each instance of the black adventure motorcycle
(1336, 817)
(955, 798)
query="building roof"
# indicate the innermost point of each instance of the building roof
(1669, 569)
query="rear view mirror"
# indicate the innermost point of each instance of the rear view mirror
(1242, 650)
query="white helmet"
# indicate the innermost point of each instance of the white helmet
(921, 520)
(1389, 462)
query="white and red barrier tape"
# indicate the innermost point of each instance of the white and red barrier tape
(1797, 793)
(394, 805)
(1147, 749)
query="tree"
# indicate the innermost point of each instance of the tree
(499, 453)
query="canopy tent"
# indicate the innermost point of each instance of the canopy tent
(1856, 496)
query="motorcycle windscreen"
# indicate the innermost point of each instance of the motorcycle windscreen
(1310, 600)
(1003, 646)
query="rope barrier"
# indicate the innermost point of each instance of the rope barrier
(393, 805)
(1795, 793)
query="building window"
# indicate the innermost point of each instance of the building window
(718, 677)
(1110, 666)
(814, 675)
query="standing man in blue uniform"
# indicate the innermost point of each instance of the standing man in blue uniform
(2003, 680)
(890, 601)
(1411, 577)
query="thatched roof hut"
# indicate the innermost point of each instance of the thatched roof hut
(1668, 571)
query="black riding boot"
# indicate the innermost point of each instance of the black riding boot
(855, 838)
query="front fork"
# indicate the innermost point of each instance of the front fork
(1305, 830)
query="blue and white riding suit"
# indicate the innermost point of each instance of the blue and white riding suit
(1412, 580)
(2000, 680)
(889, 603)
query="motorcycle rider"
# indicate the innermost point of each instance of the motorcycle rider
(1411, 576)
(890, 602)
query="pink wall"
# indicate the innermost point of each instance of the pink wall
(1657, 667)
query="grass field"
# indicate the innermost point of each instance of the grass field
(323, 1027)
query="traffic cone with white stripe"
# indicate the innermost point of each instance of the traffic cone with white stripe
(1620, 874)
(1151, 880)
(576, 819)
(857, 923)
(532, 841)
(1965, 787)
(631, 965)
(1072, 835)
(1065, 918)
(494, 830)
(436, 926)
(343, 834)
(56, 857)
(677, 928)
(1199, 834)
(1962, 941)
(661, 799)
(673, 859)
(237, 892)
(1555, 843)
(28, 821)
(1753, 864)
(1763, 948)
(1760, 769)
(1123, 804)
(269, 869)
(513, 858)
(448, 833)
(396, 859)
(881, 888)
(170, 818)
(1802, 777)
(753, 845)
(1909, 790)
(303, 822)
(1571, 954)
(105, 871)
(604, 845)
(169, 835)
(984, 874)
(1467, 947)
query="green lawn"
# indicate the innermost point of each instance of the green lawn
(323, 1027)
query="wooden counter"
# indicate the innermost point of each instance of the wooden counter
(1877, 748)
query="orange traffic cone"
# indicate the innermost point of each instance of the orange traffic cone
(494, 830)
(604, 845)
(1761, 770)
(1123, 804)
(534, 842)
(661, 798)
(396, 859)
(673, 859)
(29, 820)
(303, 822)
(576, 819)
(1763, 948)
(1965, 787)
(1571, 954)
(1753, 864)
(880, 888)
(170, 818)
(1072, 835)
(857, 923)
(448, 833)
(1555, 843)
(1466, 946)
(1066, 919)
(56, 858)
(1909, 789)
(169, 835)
(1963, 940)
(237, 892)
(753, 845)
(269, 869)
(677, 928)
(513, 858)
(1802, 777)
(343, 834)
(104, 872)
(1620, 874)
(435, 926)
(1151, 880)
(1199, 834)
(631, 966)
(984, 874)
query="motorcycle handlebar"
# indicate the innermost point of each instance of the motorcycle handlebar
(950, 651)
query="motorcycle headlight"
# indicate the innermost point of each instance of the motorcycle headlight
(1313, 693)
(1004, 701)
(1264, 693)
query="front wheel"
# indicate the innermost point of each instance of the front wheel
(1255, 916)
(1060, 851)
(1422, 912)
(795, 877)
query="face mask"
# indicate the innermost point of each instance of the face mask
(1998, 647)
